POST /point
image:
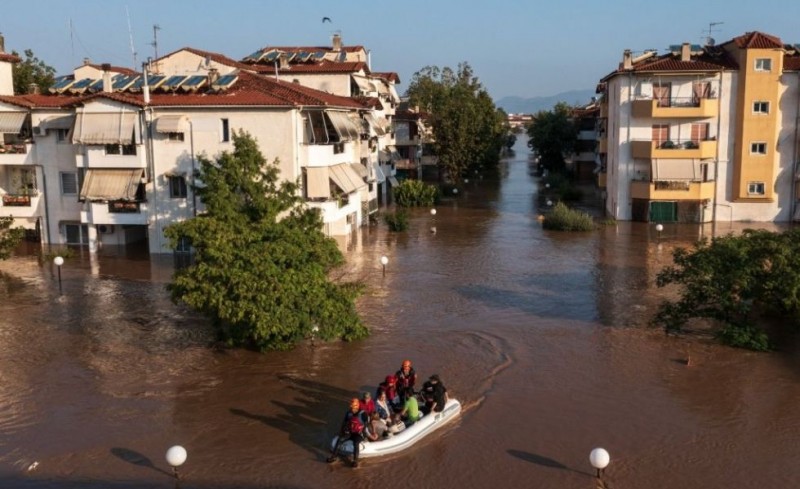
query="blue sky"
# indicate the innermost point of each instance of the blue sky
(517, 48)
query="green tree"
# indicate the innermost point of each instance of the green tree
(734, 281)
(31, 70)
(262, 263)
(468, 130)
(553, 134)
(9, 238)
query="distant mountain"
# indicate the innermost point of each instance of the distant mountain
(519, 105)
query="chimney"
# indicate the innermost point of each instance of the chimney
(686, 52)
(284, 60)
(87, 61)
(213, 76)
(145, 86)
(627, 60)
(2, 44)
(33, 89)
(337, 43)
(107, 85)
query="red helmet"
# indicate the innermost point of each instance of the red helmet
(390, 379)
(406, 363)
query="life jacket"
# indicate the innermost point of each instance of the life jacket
(404, 380)
(355, 425)
(368, 407)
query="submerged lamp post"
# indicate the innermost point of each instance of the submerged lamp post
(176, 456)
(384, 262)
(549, 203)
(659, 228)
(58, 262)
(433, 212)
(599, 459)
(455, 191)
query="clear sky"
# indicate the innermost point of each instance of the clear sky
(517, 48)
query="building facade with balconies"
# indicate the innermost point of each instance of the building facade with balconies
(702, 133)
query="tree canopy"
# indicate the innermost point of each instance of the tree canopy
(261, 264)
(468, 130)
(553, 134)
(31, 70)
(734, 281)
(9, 237)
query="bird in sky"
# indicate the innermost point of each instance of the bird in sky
(326, 19)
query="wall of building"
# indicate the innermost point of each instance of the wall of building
(6, 78)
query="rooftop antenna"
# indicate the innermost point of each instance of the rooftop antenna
(708, 39)
(71, 42)
(156, 28)
(130, 36)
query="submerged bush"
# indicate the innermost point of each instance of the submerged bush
(562, 218)
(397, 221)
(414, 193)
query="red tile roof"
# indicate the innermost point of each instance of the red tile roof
(115, 69)
(757, 40)
(791, 63)
(321, 67)
(669, 63)
(311, 49)
(217, 57)
(9, 58)
(370, 102)
(39, 100)
(387, 75)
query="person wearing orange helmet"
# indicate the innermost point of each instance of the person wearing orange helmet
(406, 378)
(352, 429)
(389, 386)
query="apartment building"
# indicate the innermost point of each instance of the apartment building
(110, 161)
(702, 133)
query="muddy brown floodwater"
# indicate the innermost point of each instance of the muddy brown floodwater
(543, 336)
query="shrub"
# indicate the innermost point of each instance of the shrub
(562, 218)
(397, 221)
(414, 193)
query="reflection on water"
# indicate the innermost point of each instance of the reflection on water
(543, 336)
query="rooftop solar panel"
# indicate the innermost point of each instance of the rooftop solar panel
(225, 81)
(96, 86)
(173, 82)
(122, 82)
(62, 84)
(256, 55)
(194, 82)
(319, 54)
(271, 56)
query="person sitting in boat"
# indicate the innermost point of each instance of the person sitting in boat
(389, 386)
(366, 404)
(406, 378)
(376, 429)
(352, 429)
(383, 408)
(435, 395)
(410, 413)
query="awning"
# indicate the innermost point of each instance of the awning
(393, 181)
(379, 175)
(344, 125)
(58, 122)
(111, 184)
(345, 178)
(379, 129)
(317, 182)
(363, 83)
(362, 170)
(676, 169)
(11, 122)
(104, 128)
(395, 96)
(171, 123)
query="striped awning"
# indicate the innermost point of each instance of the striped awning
(377, 127)
(171, 123)
(104, 128)
(344, 125)
(318, 183)
(676, 169)
(11, 122)
(345, 178)
(362, 170)
(58, 122)
(364, 84)
(111, 184)
(379, 175)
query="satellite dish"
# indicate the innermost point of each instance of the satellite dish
(710, 41)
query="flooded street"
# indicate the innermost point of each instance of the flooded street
(543, 336)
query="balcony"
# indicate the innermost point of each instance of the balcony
(116, 212)
(672, 190)
(96, 156)
(687, 107)
(674, 149)
(327, 154)
(16, 154)
(20, 205)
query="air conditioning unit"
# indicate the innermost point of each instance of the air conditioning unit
(105, 228)
(40, 131)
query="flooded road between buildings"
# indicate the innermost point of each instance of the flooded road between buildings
(543, 337)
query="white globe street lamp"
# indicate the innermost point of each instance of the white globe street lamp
(549, 203)
(384, 262)
(58, 262)
(599, 459)
(466, 180)
(659, 228)
(176, 456)
(433, 212)
(455, 191)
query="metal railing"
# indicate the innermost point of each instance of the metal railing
(16, 200)
(682, 101)
(123, 207)
(681, 143)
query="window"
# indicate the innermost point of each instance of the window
(177, 187)
(175, 136)
(760, 107)
(755, 188)
(76, 233)
(758, 148)
(226, 131)
(61, 135)
(121, 149)
(183, 245)
(69, 183)
(763, 64)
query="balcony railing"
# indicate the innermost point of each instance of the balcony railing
(672, 190)
(674, 148)
(676, 107)
(16, 200)
(14, 149)
(123, 207)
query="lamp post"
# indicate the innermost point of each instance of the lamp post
(455, 191)
(659, 228)
(549, 203)
(433, 212)
(599, 459)
(384, 262)
(58, 262)
(176, 456)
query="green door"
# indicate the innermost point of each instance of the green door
(663, 211)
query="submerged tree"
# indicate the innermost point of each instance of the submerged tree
(9, 237)
(261, 260)
(31, 70)
(468, 130)
(553, 134)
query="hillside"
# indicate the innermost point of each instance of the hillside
(519, 105)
